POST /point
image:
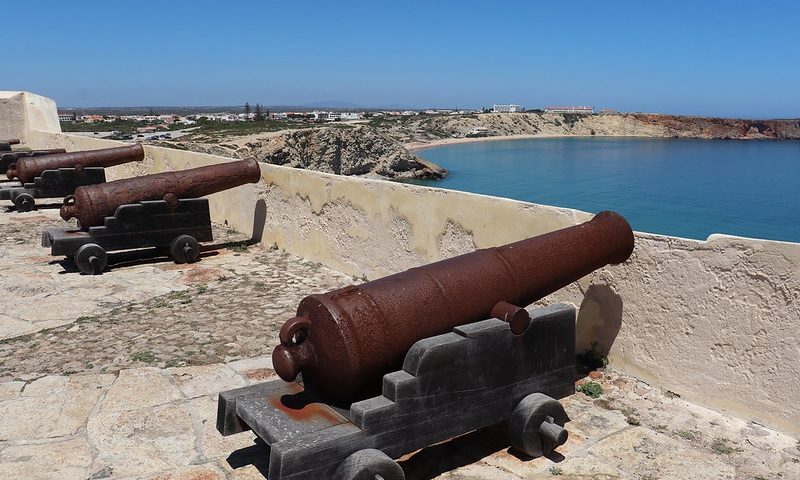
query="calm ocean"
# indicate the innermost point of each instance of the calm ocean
(682, 187)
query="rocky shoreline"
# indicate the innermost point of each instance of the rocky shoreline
(421, 131)
(384, 148)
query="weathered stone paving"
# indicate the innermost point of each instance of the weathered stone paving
(116, 376)
(229, 305)
(160, 423)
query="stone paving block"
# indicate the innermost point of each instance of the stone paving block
(254, 370)
(244, 472)
(12, 327)
(9, 390)
(64, 460)
(212, 444)
(143, 442)
(478, 471)
(195, 472)
(137, 388)
(642, 453)
(51, 407)
(205, 379)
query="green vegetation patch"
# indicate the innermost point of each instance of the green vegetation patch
(144, 356)
(590, 389)
(722, 446)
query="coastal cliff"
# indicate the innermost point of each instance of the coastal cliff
(424, 129)
(352, 150)
(380, 148)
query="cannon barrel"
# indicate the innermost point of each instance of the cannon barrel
(5, 145)
(8, 158)
(92, 203)
(28, 168)
(345, 340)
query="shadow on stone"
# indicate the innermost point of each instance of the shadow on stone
(465, 450)
(131, 258)
(598, 324)
(256, 455)
(259, 220)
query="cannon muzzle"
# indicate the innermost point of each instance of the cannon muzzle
(28, 168)
(9, 158)
(92, 203)
(5, 145)
(344, 341)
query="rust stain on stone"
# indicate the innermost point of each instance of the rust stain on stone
(195, 275)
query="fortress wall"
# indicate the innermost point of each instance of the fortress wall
(716, 321)
(21, 112)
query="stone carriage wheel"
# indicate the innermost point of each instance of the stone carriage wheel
(91, 259)
(369, 464)
(24, 202)
(536, 426)
(184, 249)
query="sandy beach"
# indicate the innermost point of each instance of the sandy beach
(417, 146)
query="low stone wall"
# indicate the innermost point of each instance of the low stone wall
(717, 322)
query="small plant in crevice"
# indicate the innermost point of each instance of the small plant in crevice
(590, 389)
(144, 356)
(591, 359)
(721, 446)
(555, 471)
(688, 434)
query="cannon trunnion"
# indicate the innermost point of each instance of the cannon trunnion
(477, 375)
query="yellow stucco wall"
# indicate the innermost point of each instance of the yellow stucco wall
(717, 321)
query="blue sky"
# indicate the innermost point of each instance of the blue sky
(728, 58)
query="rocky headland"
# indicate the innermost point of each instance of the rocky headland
(347, 150)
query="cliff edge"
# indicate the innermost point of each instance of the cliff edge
(351, 150)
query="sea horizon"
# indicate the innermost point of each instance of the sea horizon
(667, 186)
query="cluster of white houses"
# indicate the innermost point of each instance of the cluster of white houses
(512, 108)
(316, 115)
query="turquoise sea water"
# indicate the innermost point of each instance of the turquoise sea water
(682, 187)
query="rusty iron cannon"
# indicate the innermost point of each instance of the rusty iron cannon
(160, 211)
(5, 145)
(8, 158)
(450, 347)
(345, 340)
(91, 204)
(28, 168)
(57, 175)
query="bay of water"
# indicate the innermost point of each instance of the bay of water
(682, 187)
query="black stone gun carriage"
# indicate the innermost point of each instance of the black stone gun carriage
(155, 224)
(57, 175)
(162, 210)
(57, 183)
(478, 375)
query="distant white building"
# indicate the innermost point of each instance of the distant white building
(569, 109)
(66, 116)
(351, 116)
(326, 116)
(506, 108)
